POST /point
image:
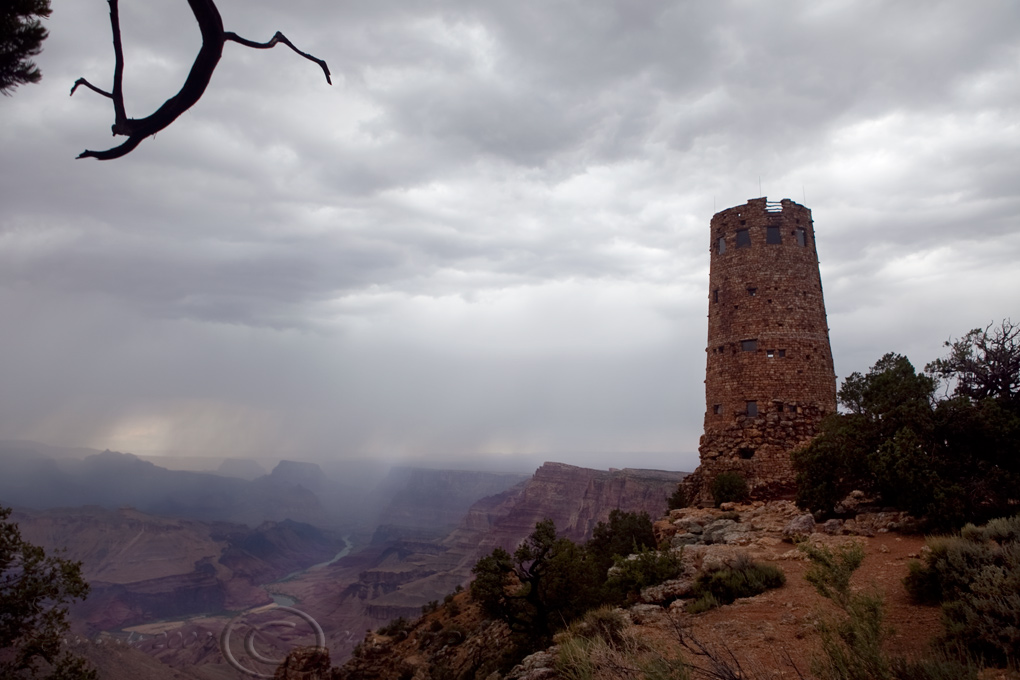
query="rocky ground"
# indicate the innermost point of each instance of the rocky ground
(772, 635)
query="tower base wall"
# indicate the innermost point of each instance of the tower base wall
(759, 449)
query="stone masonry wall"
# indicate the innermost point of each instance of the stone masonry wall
(769, 378)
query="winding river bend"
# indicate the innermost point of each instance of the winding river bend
(288, 601)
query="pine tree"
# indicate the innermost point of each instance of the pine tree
(21, 36)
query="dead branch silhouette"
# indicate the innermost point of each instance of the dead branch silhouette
(213, 38)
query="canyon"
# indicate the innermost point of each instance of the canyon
(165, 588)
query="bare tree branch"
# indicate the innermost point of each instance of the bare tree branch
(278, 38)
(82, 81)
(213, 38)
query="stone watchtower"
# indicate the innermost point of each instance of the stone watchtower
(769, 378)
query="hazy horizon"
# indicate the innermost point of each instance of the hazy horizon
(209, 461)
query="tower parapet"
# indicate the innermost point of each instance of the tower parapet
(769, 378)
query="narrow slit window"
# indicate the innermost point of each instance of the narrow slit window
(715, 295)
(772, 235)
(801, 237)
(749, 345)
(720, 245)
(743, 238)
(752, 409)
(717, 409)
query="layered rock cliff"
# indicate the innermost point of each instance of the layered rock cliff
(575, 498)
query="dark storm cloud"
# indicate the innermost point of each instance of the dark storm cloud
(490, 234)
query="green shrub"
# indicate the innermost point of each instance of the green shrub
(703, 604)
(746, 578)
(625, 533)
(452, 636)
(946, 460)
(937, 666)
(729, 487)
(605, 623)
(395, 628)
(852, 644)
(830, 572)
(645, 568)
(975, 576)
(679, 498)
(598, 646)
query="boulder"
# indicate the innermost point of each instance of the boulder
(680, 540)
(646, 613)
(538, 666)
(833, 527)
(667, 591)
(715, 531)
(799, 528)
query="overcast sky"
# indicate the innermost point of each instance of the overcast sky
(490, 236)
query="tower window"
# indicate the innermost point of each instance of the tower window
(782, 354)
(743, 238)
(720, 245)
(722, 349)
(801, 237)
(772, 235)
(717, 409)
(745, 452)
(752, 291)
(752, 409)
(749, 345)
(715, 295)
(770, 353)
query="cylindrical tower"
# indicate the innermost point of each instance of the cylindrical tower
(769, 377)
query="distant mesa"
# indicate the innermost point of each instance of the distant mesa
(308, 475)
(242, 468)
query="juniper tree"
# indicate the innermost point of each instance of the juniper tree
(35, 590)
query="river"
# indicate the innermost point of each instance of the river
(286, 600)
